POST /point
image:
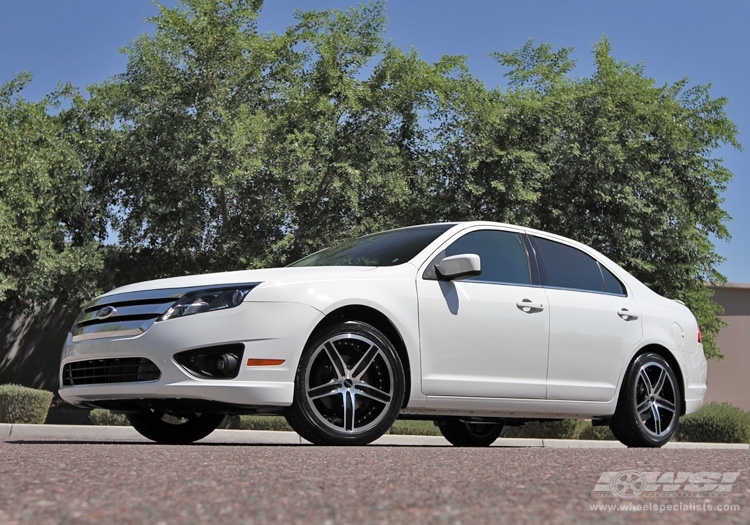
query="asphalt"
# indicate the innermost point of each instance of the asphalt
(105, 434)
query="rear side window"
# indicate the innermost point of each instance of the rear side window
(562, 266)
(503, 256)
(612, 283)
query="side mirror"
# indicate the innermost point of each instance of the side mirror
(458, 267)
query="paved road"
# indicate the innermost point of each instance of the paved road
(71, 481)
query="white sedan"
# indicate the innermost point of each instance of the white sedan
(473, 325)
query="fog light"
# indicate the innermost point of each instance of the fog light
(216, 362)
(226, 362)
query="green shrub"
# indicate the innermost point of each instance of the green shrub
(599, 433)
(565, 429)
(277, 423)
(19, 404)
(401, 427)
(414, 427)
(101, 416)
(715, 423)
(562, 429)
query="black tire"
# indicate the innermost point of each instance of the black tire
(649, 405)
(467, 433)
(349, 386)
(174, 430)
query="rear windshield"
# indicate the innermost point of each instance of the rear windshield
(379, 249)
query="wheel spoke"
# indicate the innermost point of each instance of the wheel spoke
(328, 389)
(643, 408)
(336, 360)
(361, 367)
(349, 407)
(665, 404)
(371, 392)
(660, 382)
(643, 378)
(657, 419)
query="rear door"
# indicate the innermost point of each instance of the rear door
(594, 324)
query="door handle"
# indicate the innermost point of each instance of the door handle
(527, 306)
(627, 314)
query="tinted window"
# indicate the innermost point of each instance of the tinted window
(563, 266)
(613, 283)
(502, 254)
(379, 249)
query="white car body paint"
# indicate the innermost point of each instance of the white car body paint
(471, 350)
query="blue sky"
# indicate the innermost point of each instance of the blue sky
(709, 42)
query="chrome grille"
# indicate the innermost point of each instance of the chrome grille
(115, 370)
(123, 315)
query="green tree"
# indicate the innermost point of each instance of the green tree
(178, 141)
(351, 136)
(220, 148)
(614, 161)
(49, 228)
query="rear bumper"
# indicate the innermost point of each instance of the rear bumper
(695, 371)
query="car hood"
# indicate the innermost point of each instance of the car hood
(268, 275)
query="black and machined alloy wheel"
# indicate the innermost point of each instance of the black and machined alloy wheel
(170, 429)
(468, 433)
(650, 403)
(349, 386)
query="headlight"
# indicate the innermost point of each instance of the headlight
(208, 300)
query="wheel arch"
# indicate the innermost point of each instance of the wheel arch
(670, 358)
(375, 318)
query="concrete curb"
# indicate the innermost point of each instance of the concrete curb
(97, 434)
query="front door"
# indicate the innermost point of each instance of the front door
(486, 336)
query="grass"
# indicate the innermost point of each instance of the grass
(278, 423)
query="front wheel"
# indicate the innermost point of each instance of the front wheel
(349, 386)
(168, 429)
(649, 405)
(468, 433)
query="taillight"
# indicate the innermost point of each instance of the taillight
(700, 336)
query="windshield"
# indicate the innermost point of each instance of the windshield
(379, 249)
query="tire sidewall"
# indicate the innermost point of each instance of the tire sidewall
(151, 426)
(630, 401)
(459, 433)
(306, 421)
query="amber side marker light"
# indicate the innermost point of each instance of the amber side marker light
(265, 362)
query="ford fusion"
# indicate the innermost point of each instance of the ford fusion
(473, 325)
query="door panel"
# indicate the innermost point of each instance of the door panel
(488, 335)
(477, 341)
(588, 343)
(593, 323)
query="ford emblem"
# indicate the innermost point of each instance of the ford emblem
(106, 312)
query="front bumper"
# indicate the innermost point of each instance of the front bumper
(276, 331)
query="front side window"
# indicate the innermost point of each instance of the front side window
(562, 266)
(502, 255)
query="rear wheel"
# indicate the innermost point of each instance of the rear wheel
(349, 386)
(168, 429)
(649, 405)
(467, 433)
